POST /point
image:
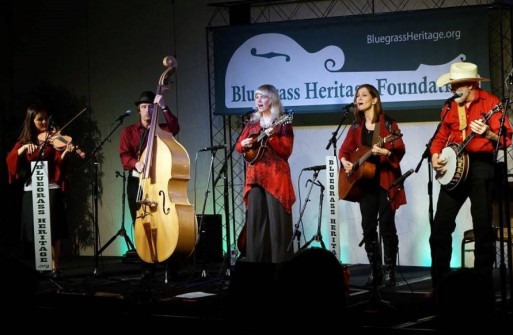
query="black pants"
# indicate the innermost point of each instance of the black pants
(374, 205)
(478, 186)
(269, 228)
(132, 187)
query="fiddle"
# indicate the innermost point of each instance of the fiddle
(59, 141)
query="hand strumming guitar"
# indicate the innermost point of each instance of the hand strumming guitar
(348, 166)
(377, 150)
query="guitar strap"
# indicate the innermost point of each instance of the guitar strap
(462, 116)
(376, 135)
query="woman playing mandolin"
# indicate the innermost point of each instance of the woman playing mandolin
(366, 136)
(27, 149)
(268, 193)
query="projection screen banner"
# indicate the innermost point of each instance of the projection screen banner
(317, 64)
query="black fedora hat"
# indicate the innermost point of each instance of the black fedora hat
(147, 97)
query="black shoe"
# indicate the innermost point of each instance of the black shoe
(370, 280)
(389, 280)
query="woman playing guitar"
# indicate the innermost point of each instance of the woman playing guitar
(364, 136)
(268, 193)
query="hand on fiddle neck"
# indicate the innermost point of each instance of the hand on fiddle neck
(69, 148)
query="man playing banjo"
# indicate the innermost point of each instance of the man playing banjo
(471, 114)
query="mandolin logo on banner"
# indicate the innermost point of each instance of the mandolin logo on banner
(317, 65)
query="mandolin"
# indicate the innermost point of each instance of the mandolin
(259, 141)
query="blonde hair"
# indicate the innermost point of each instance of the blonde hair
(274, 95)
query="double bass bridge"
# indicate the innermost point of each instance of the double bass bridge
(151, 204)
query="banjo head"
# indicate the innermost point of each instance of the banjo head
(449, 155)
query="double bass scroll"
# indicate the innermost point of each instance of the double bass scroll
(165, 223)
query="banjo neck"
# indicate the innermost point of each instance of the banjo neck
(470, 136)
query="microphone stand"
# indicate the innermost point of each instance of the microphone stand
(40, 156)
(122, 231)
(200, 228)
(94, 157)
(334, 135)
(504, 220)
(318, 236)
(427, 155)
(297, 233)
(223, 174)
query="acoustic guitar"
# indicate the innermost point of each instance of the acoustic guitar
(348, 183)
(259, 141)
(457, 161)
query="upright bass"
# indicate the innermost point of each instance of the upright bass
(166, 221)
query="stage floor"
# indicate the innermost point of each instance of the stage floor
(109, 291)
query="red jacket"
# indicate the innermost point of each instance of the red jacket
(272, 171)
(449, 131)
(389, 169)
(19, 166)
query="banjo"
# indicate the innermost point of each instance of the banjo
(457, 160)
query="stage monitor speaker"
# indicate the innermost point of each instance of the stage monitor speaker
(210, 246)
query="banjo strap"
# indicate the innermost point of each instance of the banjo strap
(462, 116)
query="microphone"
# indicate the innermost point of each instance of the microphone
(346, 107)
(401, 179)
(456, 95)
(124, 115)
(315, 168)
(51, 123)
(215, 147)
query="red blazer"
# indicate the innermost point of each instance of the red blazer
(272, 171)
(19, 166)
(389, 169)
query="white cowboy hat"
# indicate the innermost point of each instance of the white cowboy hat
(459, 73)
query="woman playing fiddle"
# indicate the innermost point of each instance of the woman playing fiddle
(26, 150)
(268, 193)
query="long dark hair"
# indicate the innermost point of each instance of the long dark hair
(378, 108)
(29, 132)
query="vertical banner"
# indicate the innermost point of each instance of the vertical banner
(332, 198)
(41, 210)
